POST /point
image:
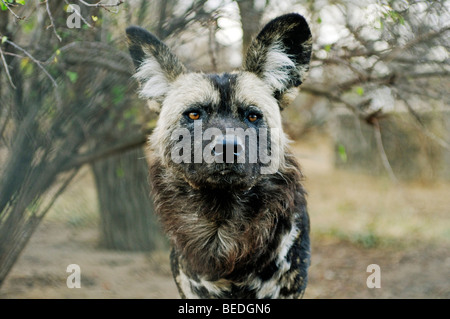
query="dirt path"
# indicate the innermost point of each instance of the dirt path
(338, 270)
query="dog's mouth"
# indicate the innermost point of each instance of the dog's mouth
(221, 176)
(226, 172)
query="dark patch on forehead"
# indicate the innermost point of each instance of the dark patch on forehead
(224, 83)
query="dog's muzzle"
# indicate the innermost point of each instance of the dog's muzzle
(228, 148)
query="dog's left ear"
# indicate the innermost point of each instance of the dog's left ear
(280, 54)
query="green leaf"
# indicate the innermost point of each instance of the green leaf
(319, 20)
(22, 2)
(26, 66)
(4, 38)
(342, 153)
(328, 47)
(359, 90)
(397, 17)
(73, 76)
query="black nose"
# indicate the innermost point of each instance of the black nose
(228, 149)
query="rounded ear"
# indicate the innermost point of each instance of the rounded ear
(156, 66)
(281, 53)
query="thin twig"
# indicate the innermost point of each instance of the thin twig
(47, 7)
(13, 13)
(384, 158)
(422, 126)
(416, 40)
(6, 68)
(34, 60)
(363, 76)
(13, 54)
(103, 5)
(131, 143)
(311, 89)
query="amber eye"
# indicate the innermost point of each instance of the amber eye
(252, 117)
(194, 115)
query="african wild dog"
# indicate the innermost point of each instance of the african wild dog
(237, 231)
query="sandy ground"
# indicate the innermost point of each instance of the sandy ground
(338, 270)
(405, 232)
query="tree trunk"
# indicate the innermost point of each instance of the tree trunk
(127, 221)
(250, 19)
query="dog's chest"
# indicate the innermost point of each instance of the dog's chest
(283, 277)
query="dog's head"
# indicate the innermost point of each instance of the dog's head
(222, 130)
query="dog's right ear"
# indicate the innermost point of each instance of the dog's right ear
(156, 66)
(280, 54)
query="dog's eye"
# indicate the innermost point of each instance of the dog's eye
(252, 117)
(194, 115)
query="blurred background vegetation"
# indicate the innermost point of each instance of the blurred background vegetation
(371, 125)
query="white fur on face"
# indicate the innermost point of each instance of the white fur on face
(254, 91)
(194, 88)
(187, 89)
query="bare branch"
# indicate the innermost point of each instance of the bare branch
(419, 75)
(96, 54)
(52, 25)
(34, 60)
(102, 5)
(13, 54)
(133, 142)
(6, 69)
(384, 158)
(340, 61)
(422, 126)
(415, 41)
(333, 98)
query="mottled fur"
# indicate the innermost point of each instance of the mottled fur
(236, 241)
(236, 232)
